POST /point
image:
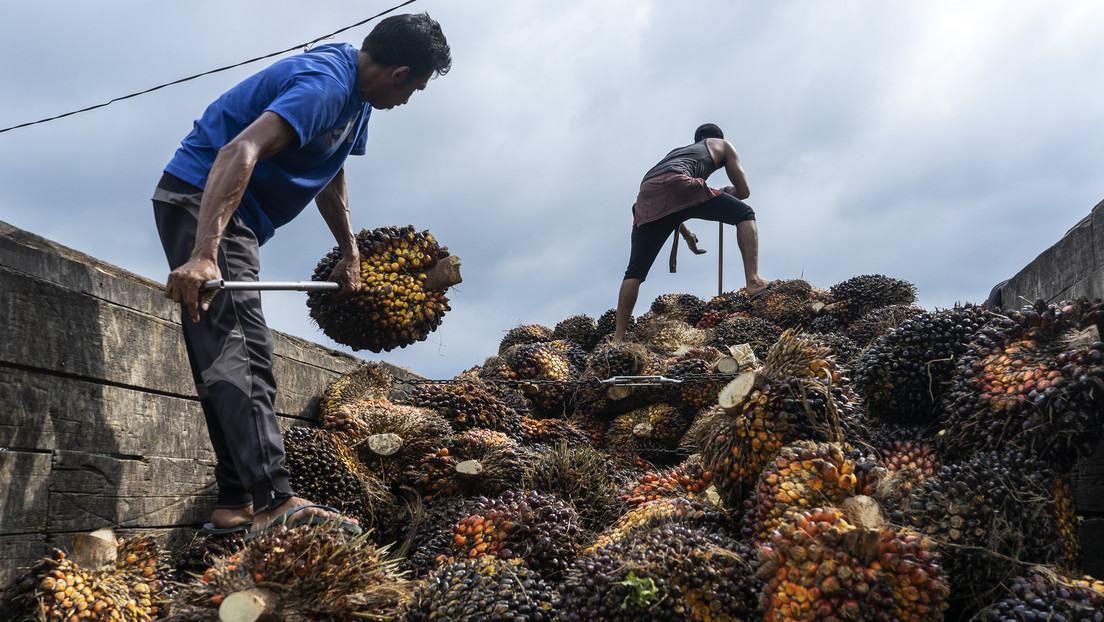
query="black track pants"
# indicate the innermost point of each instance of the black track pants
(230, 352)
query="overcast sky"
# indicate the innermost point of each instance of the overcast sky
(946, 143)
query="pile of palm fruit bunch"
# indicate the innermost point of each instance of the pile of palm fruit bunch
(537, 486)
(397, 305)
(129, 581)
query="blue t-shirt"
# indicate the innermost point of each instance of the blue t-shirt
(317, 93)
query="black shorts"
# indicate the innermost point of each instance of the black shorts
(648, 238)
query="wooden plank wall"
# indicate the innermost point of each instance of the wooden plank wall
(99, 423)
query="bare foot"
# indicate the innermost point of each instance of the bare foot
(228, 518)
(264, 519)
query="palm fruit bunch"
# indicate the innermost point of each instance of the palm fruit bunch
(1034, 381)
(605, 362)
(393, 308)
(757, 332)
(988, 516)
(723, 305)
(1066, 519)
(495, 368)
(484, 469)
(818, 566)
(652, 432)
(790, 304)
(657, 512)
(317, 572)
(666, 336)
(579, 474)
(551, 432)
(323, 467)
(1043, 594)
(842, 348)
(697, 390)
(874, 323)
(431, 534)
(856, 296)
(582, 330)
(388, 438)
(688, 479)
(904, 374)
(366, 381)
(607, 324)
(549, 371)
(576, 356)
(466, 405)
(477, 441)
(668, 573)
(523, 335)
(539, 528)
(908, 457)
(197, 557)
(799, 394)
(133, 588)
(484, 588)
(685, 307)
(803, 475)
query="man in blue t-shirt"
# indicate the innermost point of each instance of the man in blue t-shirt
(255, 159)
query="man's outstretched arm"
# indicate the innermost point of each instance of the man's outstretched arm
(333, 204)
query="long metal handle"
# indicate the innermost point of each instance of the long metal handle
(287, 286)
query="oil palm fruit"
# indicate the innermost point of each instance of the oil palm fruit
(1034, 382)
(687, 308)
(584, 477)
(688, 479)
(132, 589)
(524, 334)
(550, 371)
(792, 303)
(858, 295)
(818, 566)
(988, 516)
(466, 405)
(652, 432)
(668, 573)
(550, 432)
(366, 381)
(903, 376)
(693, 513)
(757, 332)
(393, 309)
(1043, 594)
(607, 323)
(539, 528)
(318, 572)
(874, 323)
(431, 533)
(582, 330)
(727, 303)
(484, 588)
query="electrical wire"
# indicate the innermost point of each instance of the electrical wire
(207, 73)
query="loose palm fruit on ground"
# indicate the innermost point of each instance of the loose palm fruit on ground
(582, 330)
(668, 573)
(541, 529)
(988, 516)
(903, 376)
(524, 334)
(485, 588)
(856, 296)
(757, 332)
(1043, 594)
(367, 381)
(319, 572)
(466, 405)
(818, 566)
(394, 308)
(1034, 382)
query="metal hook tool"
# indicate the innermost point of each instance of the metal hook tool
(286, 286)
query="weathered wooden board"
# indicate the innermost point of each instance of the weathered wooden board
(24, 495)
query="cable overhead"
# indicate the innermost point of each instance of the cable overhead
(207, 73)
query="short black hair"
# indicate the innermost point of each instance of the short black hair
(414, 41)
(707, 130)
